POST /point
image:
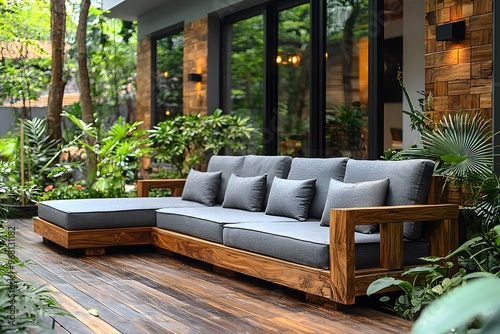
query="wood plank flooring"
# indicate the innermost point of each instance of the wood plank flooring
(137, 290)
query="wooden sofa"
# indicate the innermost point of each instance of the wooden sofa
(339, 285)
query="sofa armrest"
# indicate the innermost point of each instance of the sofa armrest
(443, 238)
(177, 185)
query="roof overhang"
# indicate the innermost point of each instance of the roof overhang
(130, 10)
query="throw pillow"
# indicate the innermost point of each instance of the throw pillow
(352, 195)
(201, 187)
(290, 198)
(245, 193)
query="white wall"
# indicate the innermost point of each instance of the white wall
(413, 61)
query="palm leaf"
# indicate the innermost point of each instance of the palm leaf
(461, 146)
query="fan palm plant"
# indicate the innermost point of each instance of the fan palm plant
(462, 147)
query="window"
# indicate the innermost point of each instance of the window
(347, 78)
(245, 73)
(169, 54)
(300, 71)
(294, 68)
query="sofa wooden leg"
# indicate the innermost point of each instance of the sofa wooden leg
(95, 251)
(326, 302)
(166, 252)
(225, 272)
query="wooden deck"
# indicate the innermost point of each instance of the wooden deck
(137, 290)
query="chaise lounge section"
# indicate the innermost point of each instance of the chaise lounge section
(328, 227)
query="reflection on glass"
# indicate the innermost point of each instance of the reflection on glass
(294, 66)
(246, 74)
(168, 86)
(347, 78)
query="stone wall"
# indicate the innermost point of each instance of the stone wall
(195, 61)
(459, 73)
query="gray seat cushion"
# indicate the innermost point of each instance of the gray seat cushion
(322, 170)
(207, 222)
(408, 182)
(96, 213)
(228, 165)
(276, 165)
(307, 243)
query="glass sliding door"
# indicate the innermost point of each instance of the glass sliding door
(169, 51)
(347, 78)
(299, 70)
(294, 70)
(244, 74)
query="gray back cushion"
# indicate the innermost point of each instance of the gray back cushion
(276, 165)
(291, 198)
(409, 182)
(245, 193)
(322, 170)
(228, 165)
(201, 187)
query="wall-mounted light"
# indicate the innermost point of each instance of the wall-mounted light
(452, 31)
(196, 77)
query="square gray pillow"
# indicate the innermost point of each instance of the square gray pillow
(201, 187)
(290, 198)
(352, 195)
(245, 193)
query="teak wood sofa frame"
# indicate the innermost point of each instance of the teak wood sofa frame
(340, 285)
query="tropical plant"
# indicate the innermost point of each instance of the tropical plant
(418, 292)
(474, 305)
(118, 151)
(24, 307)
(186, 140)
(479, 256)
(419, 119)
(460, 144)
(26, 160)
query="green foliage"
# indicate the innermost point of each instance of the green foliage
(461, 146)
(111, 48)
(185, 141)
(481, 255)
(39, 148)
(420, 291)
(65, 191)
(118, 151)
(346, 124)
(357, 13)
(471, 306)
(392, 154)
(24, 66)
(419, 120)
(24, 307)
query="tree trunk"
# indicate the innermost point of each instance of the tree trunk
(85, 98)
(57, 82)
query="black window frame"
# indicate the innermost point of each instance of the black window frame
(317, 138)
(175, 29)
